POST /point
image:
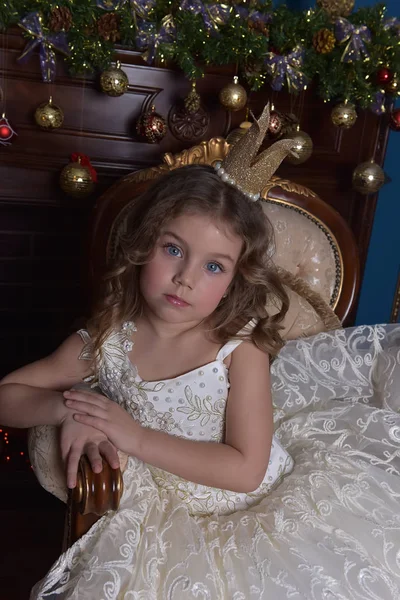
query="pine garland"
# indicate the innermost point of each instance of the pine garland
(200, 38)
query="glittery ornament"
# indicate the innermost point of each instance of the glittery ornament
(303, 147)
(233, 96)
(48, 115)
(77, 179)
(368, 177)
(344, 115)
(192, 101)
(114, 81)
(337, 8)
(384, 76)
(275, 124)
(324, 41)
(151, 126)
(394, 120)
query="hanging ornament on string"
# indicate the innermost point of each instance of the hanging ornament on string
(192, 101)
(384, 76)
(302, 148)
(114, 81)
(393, 87)
(344, 115)
(275, 123)
(394, 119)
(151, 126)
(337, 8)
(78, 178)
(49, 116)
(7, 133)
(368, 177)
(233, 96)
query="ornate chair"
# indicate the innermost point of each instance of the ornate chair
(318, 261)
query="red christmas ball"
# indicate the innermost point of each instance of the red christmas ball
(6, 132)
(384, 76)
(275, 124)
(394, 120)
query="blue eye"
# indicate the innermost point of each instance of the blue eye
(214, 267)
(173, 250)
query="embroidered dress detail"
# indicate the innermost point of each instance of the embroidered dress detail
(327, 530)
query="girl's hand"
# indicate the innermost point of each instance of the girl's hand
(77, 439)
(106, 416)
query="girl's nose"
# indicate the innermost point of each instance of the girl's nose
(185, 277)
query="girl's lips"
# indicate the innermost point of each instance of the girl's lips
(176, 301)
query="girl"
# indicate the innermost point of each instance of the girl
(179, 346)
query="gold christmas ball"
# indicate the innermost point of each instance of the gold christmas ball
(48, 115)
(393, 87)
(114, 81)
(303, 147)
(368, 177)
(344, 115)
(337, 8)
(233, 96)
(236, 134)
(76, 180)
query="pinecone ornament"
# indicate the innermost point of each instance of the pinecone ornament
(60, 19)
(324, 41)
(192, 100)
(258, 26)
(108, 27)
(337, 8)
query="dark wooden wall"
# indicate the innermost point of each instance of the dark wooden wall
(43, 232)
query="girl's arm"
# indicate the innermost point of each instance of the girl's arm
(238, 464)
(32, 395)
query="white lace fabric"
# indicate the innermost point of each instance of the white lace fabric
(328, 530)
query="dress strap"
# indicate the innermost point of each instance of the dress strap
(230, 346)
(227, 349)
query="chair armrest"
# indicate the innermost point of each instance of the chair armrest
(93, 496)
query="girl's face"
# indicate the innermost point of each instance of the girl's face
(191, 268)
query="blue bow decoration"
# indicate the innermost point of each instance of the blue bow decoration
(148, 38)
(213, 14)
(287, 67)
(356, 37)
(47, 43)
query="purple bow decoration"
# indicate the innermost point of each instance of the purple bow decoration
(148, 38)
(356, 36)
(213, 14)
(253, 15)
(110, 4)
(287, 67)
(378, 105)
(392, 24)
(48, 43)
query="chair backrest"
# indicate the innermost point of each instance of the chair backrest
(313, 242)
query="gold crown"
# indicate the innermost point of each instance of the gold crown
(244, 170)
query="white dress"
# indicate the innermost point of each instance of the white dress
(327, 528)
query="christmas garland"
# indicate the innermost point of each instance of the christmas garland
(356, 58)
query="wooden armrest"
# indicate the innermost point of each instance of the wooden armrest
(93, 496)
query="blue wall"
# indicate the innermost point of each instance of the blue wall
(383, 262)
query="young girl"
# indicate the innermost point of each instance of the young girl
(179, 346)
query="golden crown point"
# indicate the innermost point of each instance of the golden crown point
(246, 171)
